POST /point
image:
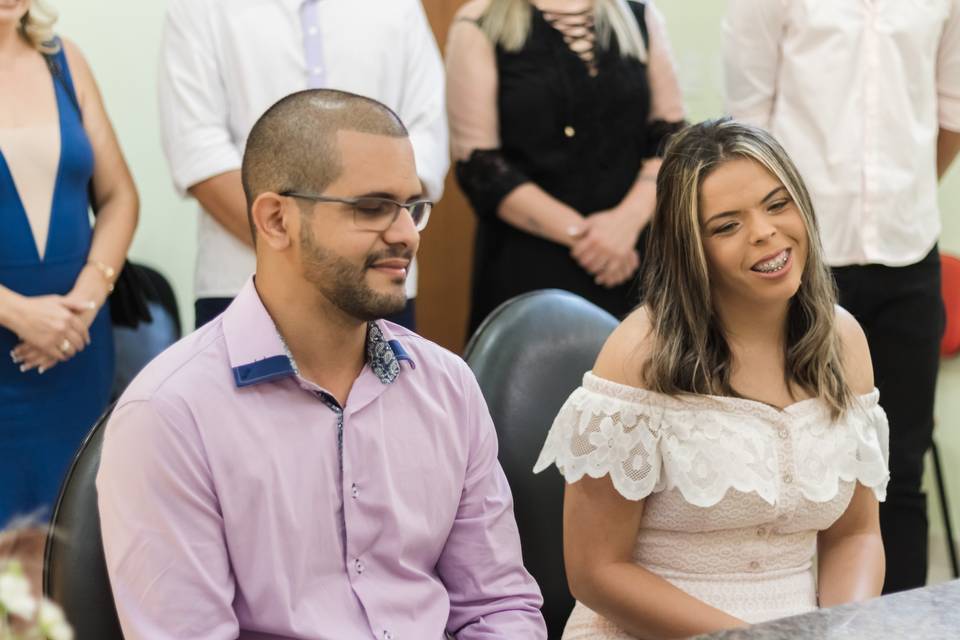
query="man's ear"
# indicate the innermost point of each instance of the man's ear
(270, 221)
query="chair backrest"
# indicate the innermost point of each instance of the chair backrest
(74, 569)
(528, 356)
(136, 347)
(950, 289)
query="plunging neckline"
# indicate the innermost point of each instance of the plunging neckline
(5, 167)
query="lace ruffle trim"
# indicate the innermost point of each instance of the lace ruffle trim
(705, 446)
(486, 178)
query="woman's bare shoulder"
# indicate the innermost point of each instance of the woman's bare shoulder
(855, 353)
(79, 69)
(627, 350)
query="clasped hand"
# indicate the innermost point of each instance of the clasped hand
(604, 244)
(52, 329)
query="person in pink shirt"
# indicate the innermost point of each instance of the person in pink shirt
(299, 468)
(865, 97)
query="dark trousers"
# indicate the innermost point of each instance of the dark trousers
(901, 312)
(209, 308)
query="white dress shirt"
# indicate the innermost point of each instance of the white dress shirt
(224, 62)
(855, 91)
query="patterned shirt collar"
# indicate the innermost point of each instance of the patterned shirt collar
(259, 354)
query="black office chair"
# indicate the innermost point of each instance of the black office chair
(136, 347)
(74, 569)
(528, 356)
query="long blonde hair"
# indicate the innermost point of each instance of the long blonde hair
(507, 23)
(690, 352)
(36, 27)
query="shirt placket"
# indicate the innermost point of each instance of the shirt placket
(313, 44)
(355, 565)
(871, 94)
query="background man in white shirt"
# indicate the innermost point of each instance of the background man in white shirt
(223, 63)
(865, 96)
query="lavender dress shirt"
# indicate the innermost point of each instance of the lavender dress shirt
(237, 499)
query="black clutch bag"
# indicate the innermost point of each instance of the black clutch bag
(128, 301)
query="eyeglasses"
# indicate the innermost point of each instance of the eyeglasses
(371, 213)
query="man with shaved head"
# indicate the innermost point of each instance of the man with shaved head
(298, 468)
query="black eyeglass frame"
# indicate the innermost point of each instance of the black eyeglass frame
(420, 224)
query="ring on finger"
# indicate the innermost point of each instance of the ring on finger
(65, 346)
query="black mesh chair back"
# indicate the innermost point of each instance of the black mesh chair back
(528, 356)
(74, 569)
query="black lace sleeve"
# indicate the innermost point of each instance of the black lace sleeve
(655, 136)
(486, 177)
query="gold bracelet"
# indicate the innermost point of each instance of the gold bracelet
(106, 271)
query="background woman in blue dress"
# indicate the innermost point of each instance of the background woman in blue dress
(56, 271)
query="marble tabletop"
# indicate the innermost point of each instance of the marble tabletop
(931, 613)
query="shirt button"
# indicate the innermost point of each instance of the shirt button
(783, 434)
(569, 131)
(354, 491)
(317, 71)
(312, 31)
(754, 565)
(387, 635)
(761, 531)
(787, 478)
(358, 566)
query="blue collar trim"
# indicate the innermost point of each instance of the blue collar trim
(384, 357)
(263, 371)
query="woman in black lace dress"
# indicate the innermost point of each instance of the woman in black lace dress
(557, 111)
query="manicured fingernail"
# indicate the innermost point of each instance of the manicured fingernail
(41, 370)
(13, 356)
(23, 368)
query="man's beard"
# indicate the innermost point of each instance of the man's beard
(344, 283)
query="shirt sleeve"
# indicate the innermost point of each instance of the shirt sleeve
(491, 594)
(163, 535)
(192, 99)
(752, 30)
(666, 101)
(483, 173)
(471, 88)
(422, 107)
(948, 71)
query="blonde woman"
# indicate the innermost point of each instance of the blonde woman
(729, 433)
(55, 271)
(557, 109)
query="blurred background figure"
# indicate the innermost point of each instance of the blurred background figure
(57, 150)
(223, 65)
(865, 96)
(557, 111)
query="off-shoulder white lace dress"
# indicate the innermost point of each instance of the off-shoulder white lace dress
(735, 490)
